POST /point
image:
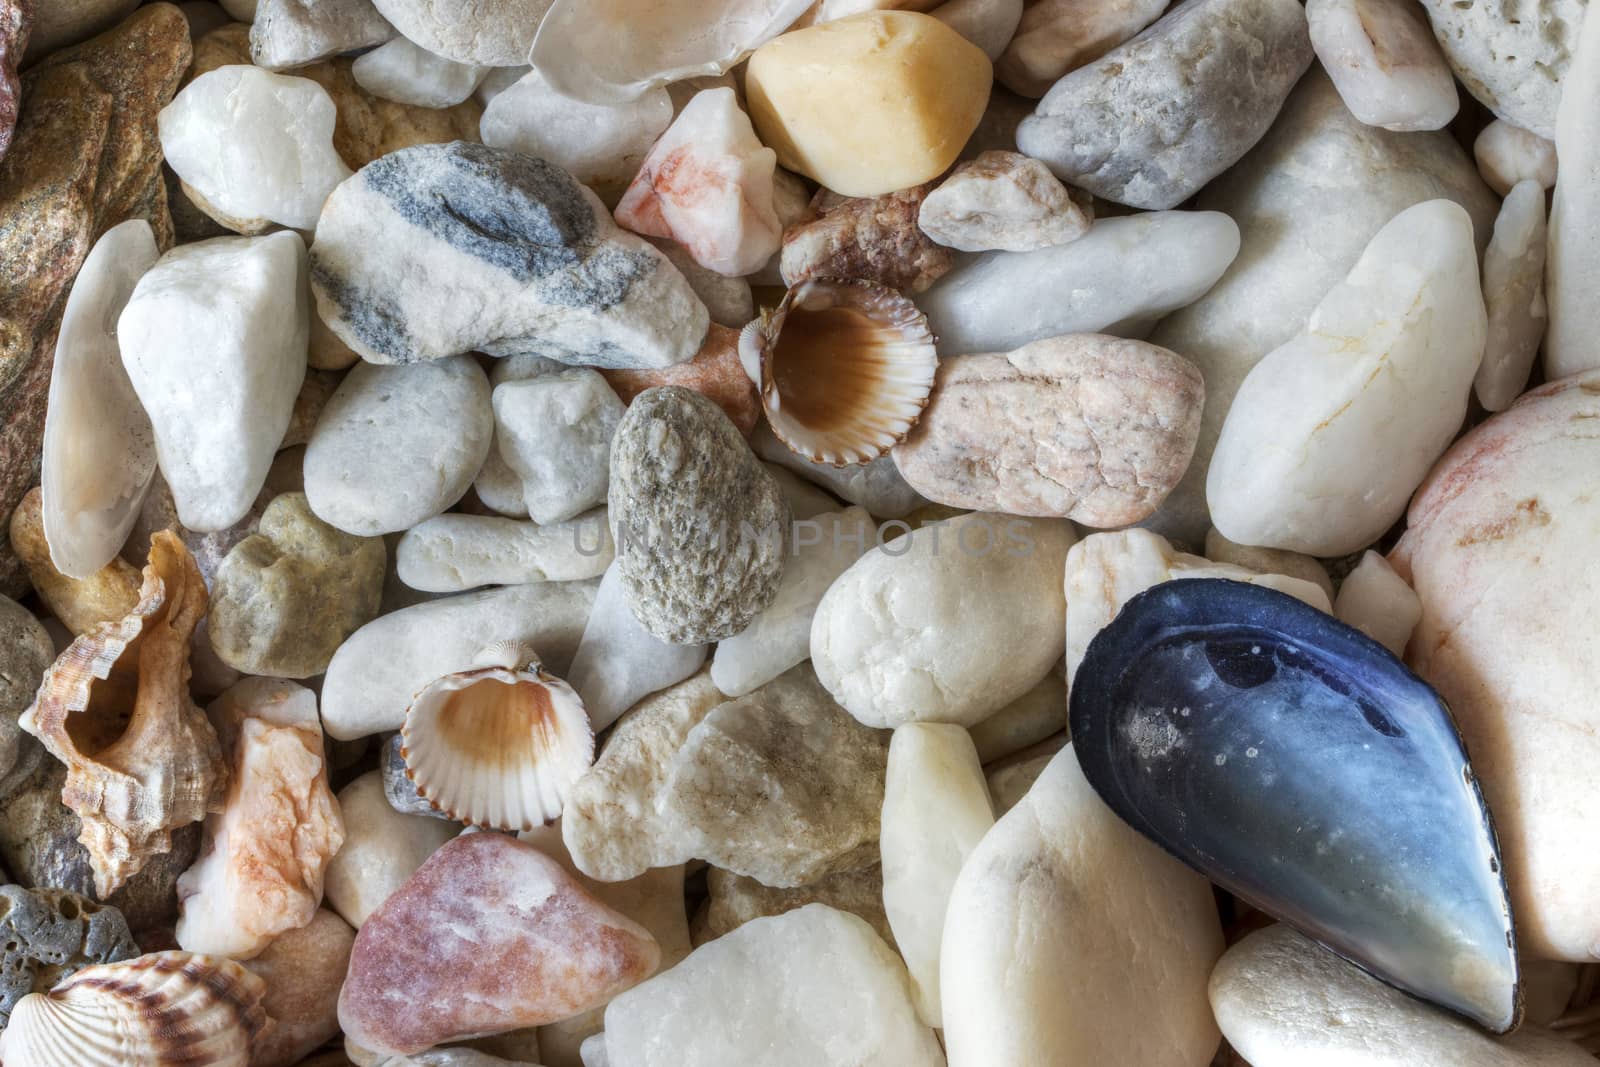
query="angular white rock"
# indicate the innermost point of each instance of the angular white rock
(1331, 432)
(1106, 570)
(823, 547)
(601, 144)
(1282, 1000)
(1071, 939)
(935, 811)
(1123, 274)
(1513, 291)
(381, 666)
(1572, 275)
(1382, 56)
(949, 623)
(814, 987)
(554, 431)
(611, 51)
(99, 450)
(1379, 603)
(292, 33)
(402, 72)
(876, 486)
(398, 443)
(618, 662)
(1508, 154)
(497, 485)
(257, 146)
(707, 184)
(454, 553)
(382, 848)
(214, 341)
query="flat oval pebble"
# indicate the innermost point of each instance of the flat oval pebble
(398, 444)
(1085, 427)
(454, 553)
(948, 624)
(1382, 56)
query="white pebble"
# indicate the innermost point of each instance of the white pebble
(1508, 154)
(1572, 275)
(402, 72)
(1384, 60)
(555, 432)
(1379, 603)
(1513, 291)
(454, 553)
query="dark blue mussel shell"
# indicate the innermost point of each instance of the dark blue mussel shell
(1298, 764)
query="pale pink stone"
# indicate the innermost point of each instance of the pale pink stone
(708, 185)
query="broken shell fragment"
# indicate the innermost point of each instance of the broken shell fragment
(142, 760)
(163, 1008)
(498, 745)
(846, 367)
(1299, 765)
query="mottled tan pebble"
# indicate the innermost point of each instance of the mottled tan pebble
(80, 603)
(875, 238)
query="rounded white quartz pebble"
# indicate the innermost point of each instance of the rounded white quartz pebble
(554, 431)
(1384, 60)
(619, 662)
(601, 144)
(949, 623)
(1508, 154)
(99, 450)
(1573, 270)
(823, 547)
(1106, 570)
(214, 341)
(454, 553)
(372, 678)
(1331, 432)
(398, 443)
(1513, 291)
(402, 72)
(1071, 939)
(381, 849)
(814, 987)
(935, 811)
(1125, 272)
(257, 146)
(1282, 1000)
(1379, 603)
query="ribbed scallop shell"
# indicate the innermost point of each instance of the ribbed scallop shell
(846, 368)
(498, 745)
(163, 1008)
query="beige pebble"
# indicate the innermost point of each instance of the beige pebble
(303, 969)
(80, 603)
(1508, 154)
(1003, 201)
(1379, 603)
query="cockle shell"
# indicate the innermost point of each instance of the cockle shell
(163, 1008)
(142, 760)
(846, 367)
(497, 745)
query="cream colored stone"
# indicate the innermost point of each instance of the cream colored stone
(1508, 154)
(1572, 273)
(1379, 603)
(935, 811)
(869, 104)
(1382, 56)
(381, 849)
(1071, 939)
(1003, 201)
(1513, 290)
(303, 969)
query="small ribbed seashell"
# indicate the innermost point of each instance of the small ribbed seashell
(162, 1008)
(497, 745)
(846, 368)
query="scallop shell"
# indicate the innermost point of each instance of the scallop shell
(142, 759)
(846, 368)
(497, 745)
(163, 1008)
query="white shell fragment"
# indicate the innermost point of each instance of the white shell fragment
(497, 745)
(402, 72)
(1331, 432)
(1513, 290)
(609, 51)
(1573, 271)
(257, 146)
(99, 450)
(214, 340)
(602, 145)
(1384, 61)
(707, 184)
(1379, 603)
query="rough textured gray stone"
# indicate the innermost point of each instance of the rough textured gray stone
(1512, 57)
(436, 250)
(701, 528)
(25, 652)
(48, 934)
(286, 597)
(1155, 119)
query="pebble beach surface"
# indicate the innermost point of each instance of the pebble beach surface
(768, 533)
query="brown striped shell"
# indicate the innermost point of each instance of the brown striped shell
(142, 760)
(162, 1008)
